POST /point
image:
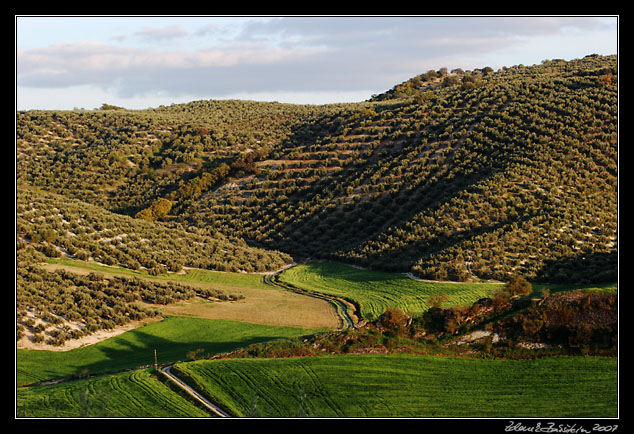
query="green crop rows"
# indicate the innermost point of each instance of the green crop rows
(130, 394)
(374, 291)
(409, 386)
(172, 338)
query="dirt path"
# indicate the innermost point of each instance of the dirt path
(342, 308)
(214, 408)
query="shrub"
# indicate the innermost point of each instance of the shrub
(437, 300)
(518, 285)
(393, 319)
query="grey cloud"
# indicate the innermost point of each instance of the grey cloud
(333, 30)
(401, 34)
(222, 81)
(408, 41)
(141, 71)
(208, 29)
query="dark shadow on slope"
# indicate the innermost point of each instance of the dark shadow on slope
(400, 259)
(596, 267)
(328, 227)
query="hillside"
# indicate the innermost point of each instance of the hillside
(55, 226)
(122, 159)
(518, 175)
(461, 176)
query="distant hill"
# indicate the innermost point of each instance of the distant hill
(459, 175)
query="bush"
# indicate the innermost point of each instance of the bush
(518, 285)
(393, 319)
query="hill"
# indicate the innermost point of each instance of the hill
(462, 176)
(518, 175)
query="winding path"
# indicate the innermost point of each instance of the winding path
(341, 307)
(214, 408)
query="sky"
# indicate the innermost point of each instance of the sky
(138, 62)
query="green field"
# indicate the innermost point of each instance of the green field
(327, 386)
(221, 279)
(409, 386)
(129, 394)
(172, 339)
(374, 291)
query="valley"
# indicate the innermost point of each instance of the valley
(338, 261)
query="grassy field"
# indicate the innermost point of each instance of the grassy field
(374, 291)
(409, 386)
(262, 303)
(129, 394)
(326, 386)
(172, 339)
(222, 279)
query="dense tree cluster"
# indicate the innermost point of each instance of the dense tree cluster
(159, 209)
(574, 319)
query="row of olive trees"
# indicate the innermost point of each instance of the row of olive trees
(54, 225)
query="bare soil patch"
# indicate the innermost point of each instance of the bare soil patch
(27, 342)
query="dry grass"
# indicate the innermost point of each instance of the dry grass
(261, 304)
(270, 307)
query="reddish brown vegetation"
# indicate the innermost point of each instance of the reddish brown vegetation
(573, 319)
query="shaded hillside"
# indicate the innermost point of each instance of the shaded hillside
(465, 175)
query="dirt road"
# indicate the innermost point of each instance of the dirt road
(168, 371)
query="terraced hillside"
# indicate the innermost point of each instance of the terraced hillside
(461, 176)
(123, 159)
(517, 175)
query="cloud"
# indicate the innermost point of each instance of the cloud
(376, 31)
(207, 29)
(292, 54)
(141, 71)
(162, 33)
